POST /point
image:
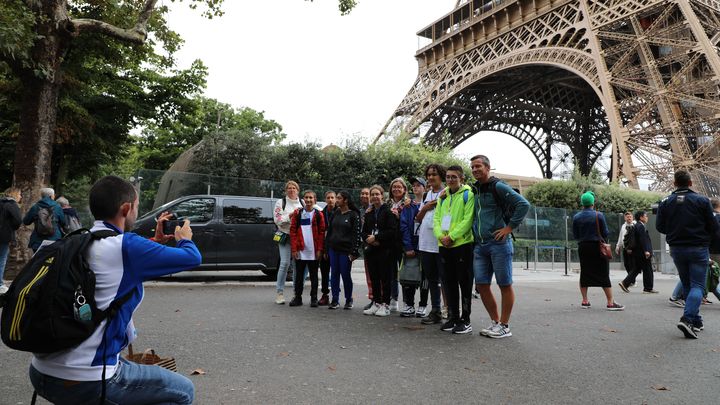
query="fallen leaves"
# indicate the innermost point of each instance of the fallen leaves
(332, 367)
(660, 388)
(283, 354)
(611, 330)
(198, 371)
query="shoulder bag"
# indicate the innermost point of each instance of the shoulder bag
(605, 248)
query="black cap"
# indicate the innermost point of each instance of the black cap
(419, 180)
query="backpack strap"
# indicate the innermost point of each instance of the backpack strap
(465, 196)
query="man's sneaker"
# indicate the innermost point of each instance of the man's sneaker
(433, 318)
(280, 299)
(687, 328)
(313, 302)
(334, 305)
(499, 331)
(368, 306)
(373, 308)
(296, 301)
(324, 300)
(706, 301)
(421, 312)
(383, 311)
(348, 304)
(698, 326)
(622, 287)
(475, 294)
(651, 291)
(448, 326)
(615, 307)
(585, 305)
(3, 288)
(444, 312)
(408, 312)
(485, 331)
(462, 328)
(676, 302)
(393, 306)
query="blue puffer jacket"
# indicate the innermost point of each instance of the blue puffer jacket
(35, 239)
(686, 217)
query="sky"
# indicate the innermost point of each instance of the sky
(324, 77)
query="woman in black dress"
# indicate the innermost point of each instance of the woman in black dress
(590, 229)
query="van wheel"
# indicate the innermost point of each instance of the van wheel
(271, 273)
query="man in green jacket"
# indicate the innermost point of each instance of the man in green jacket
(452, 225)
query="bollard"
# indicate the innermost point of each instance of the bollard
(527, 257)
(567, 256)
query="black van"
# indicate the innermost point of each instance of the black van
(232, 232)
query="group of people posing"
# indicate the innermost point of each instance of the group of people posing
(459, 233)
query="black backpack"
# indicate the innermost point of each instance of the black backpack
(45, 221)
(50, 306)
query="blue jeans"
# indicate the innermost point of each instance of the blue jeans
(691, 264)
(340, 266)
(132, 384)
(286, 263)
(4, 250)
(494, 257)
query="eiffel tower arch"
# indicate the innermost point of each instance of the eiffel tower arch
(637, 79)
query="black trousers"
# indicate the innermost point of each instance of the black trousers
(628, 261)
(312, 266)
(325, 274)
(644, 266)
(409, 294)
(380, 266)
(457, 266)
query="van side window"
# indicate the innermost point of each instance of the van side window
(197, 210)
(242, 211)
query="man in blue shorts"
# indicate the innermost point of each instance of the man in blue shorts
(493, 251)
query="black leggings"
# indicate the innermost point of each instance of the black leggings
(379, 266)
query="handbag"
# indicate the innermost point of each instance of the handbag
(410, 271)
(280, 237)
(149, 357)
(605, 248)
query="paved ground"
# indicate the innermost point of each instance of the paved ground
(254, 351)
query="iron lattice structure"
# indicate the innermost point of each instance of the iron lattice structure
(636, 77)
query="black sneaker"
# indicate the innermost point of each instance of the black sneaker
(698, 326)
(433, 318)
(348, 304)
(296, 301)
(462, 328)
(448, 326)
(687, 328)
(334, 305)
(313, 302)
(368, 306)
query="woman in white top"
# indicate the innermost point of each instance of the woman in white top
(284, 208)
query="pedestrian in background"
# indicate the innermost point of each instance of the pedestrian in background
(641, 256)
(72, 221)
(284, 208)
(10, 221)
(687, 220)
(620, 248)
(590, 229)
(48, 219)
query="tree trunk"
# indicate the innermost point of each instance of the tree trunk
(33, 151)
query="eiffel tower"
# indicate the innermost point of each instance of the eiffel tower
(635, 79)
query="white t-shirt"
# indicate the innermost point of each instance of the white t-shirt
(427, 242)
(306, 219)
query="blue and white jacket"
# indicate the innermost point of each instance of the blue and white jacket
(121, 263)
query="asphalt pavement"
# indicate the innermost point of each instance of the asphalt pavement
(247, 349)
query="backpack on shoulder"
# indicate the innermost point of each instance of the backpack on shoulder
(50, 306)
(45, 221)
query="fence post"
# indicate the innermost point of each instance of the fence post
(536, 239)
(527, 257)
(567, 245)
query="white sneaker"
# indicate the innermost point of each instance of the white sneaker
(499, 331)
(421, 312)
(372, 310)
(280, 299)
(484, 331)
(3, 288)
(383, 311)
(408, 312)
(393, 305)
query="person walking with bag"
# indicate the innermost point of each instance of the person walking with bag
(284, 208)
(343, 242)
(10, 221)
(307, 233)
(452, 225)
(380, 233)
(48, 218)
(590, 230)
